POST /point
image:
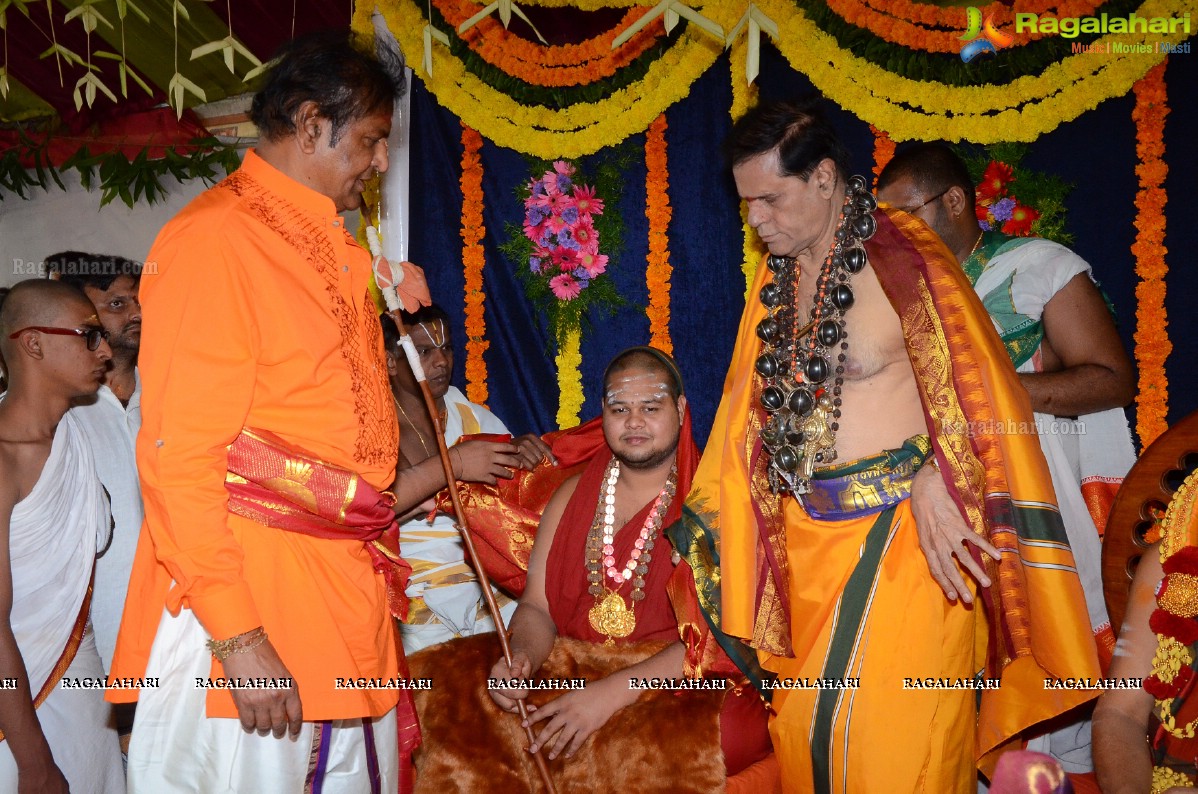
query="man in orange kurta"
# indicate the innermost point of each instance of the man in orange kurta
(257, 318)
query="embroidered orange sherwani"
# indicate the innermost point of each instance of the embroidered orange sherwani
(257, 315)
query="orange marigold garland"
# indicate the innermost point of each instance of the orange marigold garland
(658, 211)
(883, 150)
(931, 28)
(1152, 335)
(584, 63)
(473, 260)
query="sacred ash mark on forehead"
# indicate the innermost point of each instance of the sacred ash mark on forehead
(436, 333)
(626, 386)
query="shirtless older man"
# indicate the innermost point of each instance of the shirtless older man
(859, 454)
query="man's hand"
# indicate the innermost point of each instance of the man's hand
(533, 450)
(484, 461)
(574, 716)
(42, 777)
(521, 668)
(943, 535)
(264, 710)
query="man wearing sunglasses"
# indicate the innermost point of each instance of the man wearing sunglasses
(1061, 336)
(53, 514)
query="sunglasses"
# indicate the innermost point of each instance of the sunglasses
(94, 336)
(926, 203)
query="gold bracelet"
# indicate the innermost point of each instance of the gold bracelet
(222, 649)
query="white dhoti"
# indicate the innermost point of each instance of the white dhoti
(176, 749)
(446, 597)
(52, 549)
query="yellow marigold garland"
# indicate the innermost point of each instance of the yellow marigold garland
(569, 377)
(473, 260)
(1021, 110)
(1028, 106)
(883, 150)
(744, 96)
(658, 212)
(1152, 335)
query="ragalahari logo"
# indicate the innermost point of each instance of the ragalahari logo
(982, 37)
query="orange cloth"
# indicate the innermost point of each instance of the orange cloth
(258, 315)
(1030, 624)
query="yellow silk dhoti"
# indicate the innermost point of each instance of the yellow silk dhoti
(807, 597)
(869, 614)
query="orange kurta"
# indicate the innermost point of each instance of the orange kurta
(256, 314)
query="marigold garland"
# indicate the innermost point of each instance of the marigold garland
(744, 96)
(1152, 335)
(1022, 109)
(883, 150)
(569, 377)
(920, 26)
(1062, 92)
(473, 260)
(658, 212)
(574, 64)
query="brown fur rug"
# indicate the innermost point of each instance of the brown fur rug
(668, 741)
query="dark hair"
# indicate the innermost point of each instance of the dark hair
(79, 269)
(933, 167)
(424, 314)
(649, 358)
(798, 130)
(332, 68)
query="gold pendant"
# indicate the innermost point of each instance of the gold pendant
(817, 434)
(611, 617)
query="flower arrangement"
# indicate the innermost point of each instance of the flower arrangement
(559, 219)
(557, 249)
(556, 252)
(996, 208)
(1016, 200)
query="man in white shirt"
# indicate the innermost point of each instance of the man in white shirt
(110, 423)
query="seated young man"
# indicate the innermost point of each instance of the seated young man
(600, 568)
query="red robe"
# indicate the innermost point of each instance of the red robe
(566, 573)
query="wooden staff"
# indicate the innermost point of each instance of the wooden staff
(387, 284)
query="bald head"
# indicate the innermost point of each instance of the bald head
(39, 302)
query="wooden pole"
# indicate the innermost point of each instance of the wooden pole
(459, 514)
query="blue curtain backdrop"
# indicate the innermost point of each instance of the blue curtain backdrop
(1096, 153)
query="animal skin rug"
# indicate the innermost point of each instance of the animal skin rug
(667, 741)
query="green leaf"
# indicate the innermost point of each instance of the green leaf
(123, 7)
(88, 15)
(178, 87)
(127, 70)
(60, 51)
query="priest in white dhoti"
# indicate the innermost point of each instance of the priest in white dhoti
(446, 600)
(56, 726)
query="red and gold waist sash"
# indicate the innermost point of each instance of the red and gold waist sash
(271, 483)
